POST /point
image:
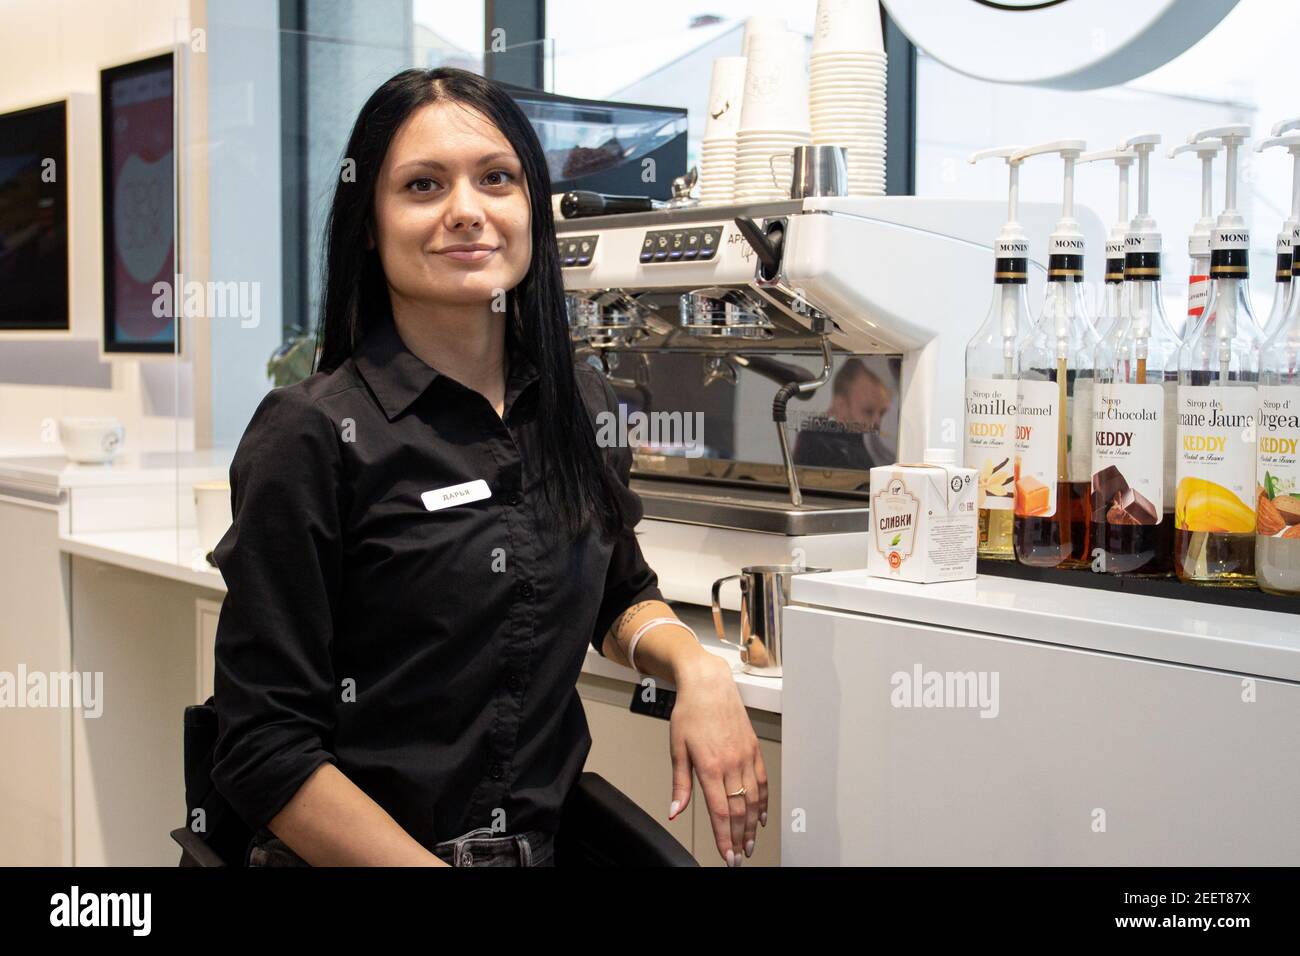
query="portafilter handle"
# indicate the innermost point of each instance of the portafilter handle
(580, 203)
(767, 248)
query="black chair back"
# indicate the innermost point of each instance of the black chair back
(217, 827)
(601, 826)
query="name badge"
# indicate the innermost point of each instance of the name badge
(453, 495)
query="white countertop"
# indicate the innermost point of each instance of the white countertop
(169, 554)
(165, 552)
(49, 474)
(1240, 640)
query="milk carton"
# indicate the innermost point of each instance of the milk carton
(924, 520)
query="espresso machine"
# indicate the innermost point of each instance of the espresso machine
(740, 315)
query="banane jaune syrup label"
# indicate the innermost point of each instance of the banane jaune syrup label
(1216, 458)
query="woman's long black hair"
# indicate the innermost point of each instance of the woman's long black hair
(577, 483)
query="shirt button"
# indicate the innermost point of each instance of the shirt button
(526, 589)
(515, 683)
(497, 771)
(514, 498)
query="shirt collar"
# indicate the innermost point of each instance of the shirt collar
(398, 377)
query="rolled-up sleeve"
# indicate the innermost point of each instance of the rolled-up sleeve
(630, 579)
(274, 684)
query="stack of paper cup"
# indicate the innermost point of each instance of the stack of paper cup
(756, 25)
(718, 151)
(773, 117)
(846, 94)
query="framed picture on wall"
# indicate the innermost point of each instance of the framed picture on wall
(34, 219)
(137, 126)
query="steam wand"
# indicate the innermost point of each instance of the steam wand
(783, 396)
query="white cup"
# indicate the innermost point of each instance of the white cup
(776, 84)
(212, 512)
(726, 93)
(848, 26)
(756, 25)
(91, 441)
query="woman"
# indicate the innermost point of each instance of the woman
(427, 537)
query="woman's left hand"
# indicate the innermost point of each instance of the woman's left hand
(711, 733)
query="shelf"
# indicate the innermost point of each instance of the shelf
(1150, 587)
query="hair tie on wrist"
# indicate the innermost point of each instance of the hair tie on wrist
(654, 622)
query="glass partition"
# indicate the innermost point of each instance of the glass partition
(266, 98)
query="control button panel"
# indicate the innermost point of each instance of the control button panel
(681, 245)
(576, 251)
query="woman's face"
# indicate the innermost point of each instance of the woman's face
(451, 209)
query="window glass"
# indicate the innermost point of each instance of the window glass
(659, 54)
(1242, 72)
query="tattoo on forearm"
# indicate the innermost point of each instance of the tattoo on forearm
(624, 618)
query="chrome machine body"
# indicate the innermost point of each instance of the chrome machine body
(751, 287)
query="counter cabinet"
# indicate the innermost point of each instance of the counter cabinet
(1010, 722)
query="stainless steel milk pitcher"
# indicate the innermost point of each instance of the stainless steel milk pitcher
(764, 591)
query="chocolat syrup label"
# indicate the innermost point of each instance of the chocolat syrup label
(1128, 467)
(991, 440)
(1038, 422)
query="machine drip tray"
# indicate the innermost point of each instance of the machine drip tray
(750, 509)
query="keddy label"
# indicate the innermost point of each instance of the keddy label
(1038, 421)
(1128, 435)
(991, 440)
(1279, 457)
(1216, 458)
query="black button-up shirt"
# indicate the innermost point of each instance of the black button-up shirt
(432, 655)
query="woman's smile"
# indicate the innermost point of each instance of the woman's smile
(468, 253)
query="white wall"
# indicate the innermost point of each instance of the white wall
(48, 50)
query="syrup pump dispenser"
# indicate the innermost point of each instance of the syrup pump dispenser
(1277, 477)
(1135, 407)
(1286, 239)
(1198, 242)
(1114, 306)
(990, 425)
(1229, 249)
(1218, 404)
(1054, 397)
